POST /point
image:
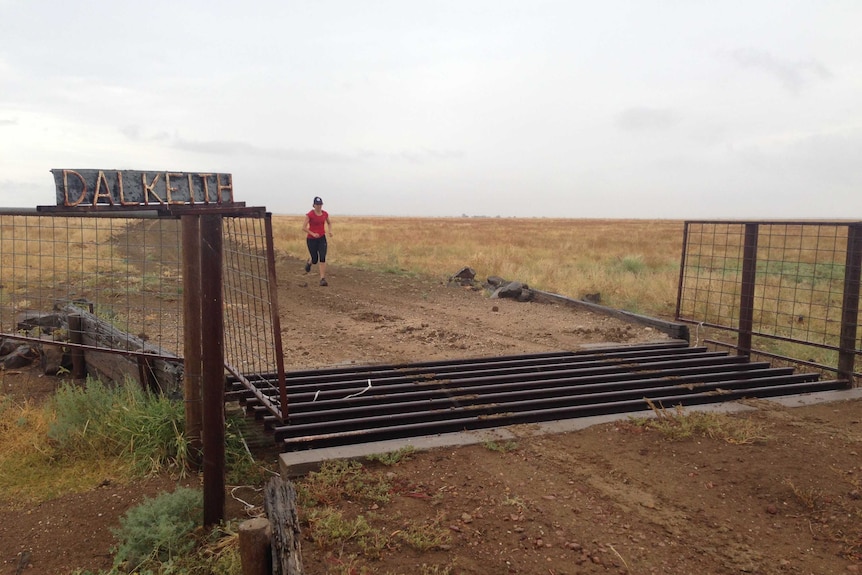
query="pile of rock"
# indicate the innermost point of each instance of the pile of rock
(496, 287)
(47, 327)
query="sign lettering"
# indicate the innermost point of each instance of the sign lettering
(137, 188)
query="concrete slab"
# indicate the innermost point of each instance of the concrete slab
(299, 463)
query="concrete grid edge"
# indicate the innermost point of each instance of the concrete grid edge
(299, 463)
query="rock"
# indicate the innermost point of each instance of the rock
(22, 356)
(466, 274)
(53, 359)
(7, 346)
(46, 322)
(464, 277)
(593, 297)
(513, 290)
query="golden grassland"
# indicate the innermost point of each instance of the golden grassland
(633, 264)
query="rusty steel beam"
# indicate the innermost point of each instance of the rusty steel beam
(212, 361)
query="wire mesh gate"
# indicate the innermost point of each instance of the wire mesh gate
(788, 291)
(124, 271)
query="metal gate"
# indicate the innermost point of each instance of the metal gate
(787, 291)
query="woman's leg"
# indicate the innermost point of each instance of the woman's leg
(321, 250)
(312, 252)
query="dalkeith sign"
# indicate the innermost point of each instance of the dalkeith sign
(136, 189)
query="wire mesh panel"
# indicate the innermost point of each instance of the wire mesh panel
(253, 351)
(124, 270)
(125, 273)
(784, 283)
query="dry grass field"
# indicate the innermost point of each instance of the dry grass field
(633, 264)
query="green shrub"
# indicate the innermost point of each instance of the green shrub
(121, 421)
(159, 529)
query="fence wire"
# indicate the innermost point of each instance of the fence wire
(127, 271)
(797, 286)
(253, 347)
(124, 270)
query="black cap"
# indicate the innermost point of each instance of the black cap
(317, 201)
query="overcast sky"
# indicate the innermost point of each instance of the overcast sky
(618, 109)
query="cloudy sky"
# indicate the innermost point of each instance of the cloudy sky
(619, 109)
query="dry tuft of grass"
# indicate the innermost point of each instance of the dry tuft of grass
(678, 425)
(31, 468)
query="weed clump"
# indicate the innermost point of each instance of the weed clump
(339, 480)
(98, 420)
(679, 425)
(159, 529)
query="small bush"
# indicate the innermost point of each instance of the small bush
(632, 264)
(159, 529)
(124, 421)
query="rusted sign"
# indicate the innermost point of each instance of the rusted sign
(135, 189)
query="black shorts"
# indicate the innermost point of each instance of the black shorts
(317, 249)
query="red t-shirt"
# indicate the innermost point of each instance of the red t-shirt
(316, 223)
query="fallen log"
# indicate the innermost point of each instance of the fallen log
(153, 373)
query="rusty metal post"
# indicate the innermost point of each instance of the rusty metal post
(681, 271)
(276, 321)
(212, 360)
(191, 254)
(850, 304)
(746, 296)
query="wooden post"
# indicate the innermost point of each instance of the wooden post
(255, 550)
(192, 377)
(76, 335)
(279, 500)
(212, 362)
